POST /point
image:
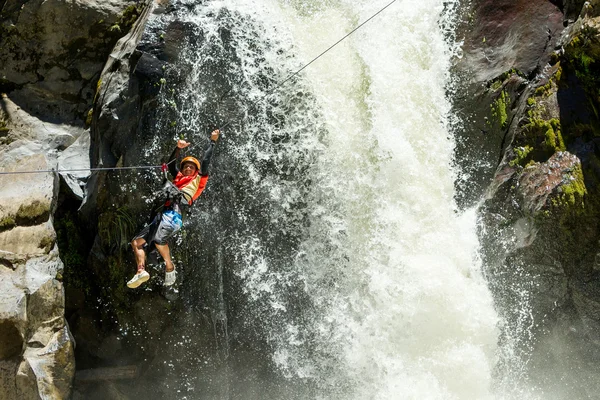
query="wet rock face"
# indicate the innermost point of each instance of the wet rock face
(541, 183)
(540, 227)
(504, 43)
(519, 34)
(571, 9)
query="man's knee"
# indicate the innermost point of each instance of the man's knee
(163, 246)
(138, 243)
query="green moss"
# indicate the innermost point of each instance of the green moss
(47, 242)
(499, 81)
(572, 192)
(499, 109)
(542, 136)
(126, 20)
(544, 91)
(98, 85)
(582, 55)
(496, 85)
(558, 74)
(90, 115)
(33, 213)
(578, 129)
(549, 133)
(521, 154)
(7, 223)
(4, 129)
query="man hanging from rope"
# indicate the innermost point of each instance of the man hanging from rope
(189, 182)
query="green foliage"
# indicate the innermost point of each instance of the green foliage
(115, 229)
(583, 54)
(73, 251)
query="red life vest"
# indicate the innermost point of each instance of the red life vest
(191, 186)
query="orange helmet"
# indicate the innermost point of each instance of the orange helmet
(192, 160)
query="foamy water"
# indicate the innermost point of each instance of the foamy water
(395, 306)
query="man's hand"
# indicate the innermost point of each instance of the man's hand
(214, 135)
(182, 144)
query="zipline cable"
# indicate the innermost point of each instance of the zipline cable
(222, 126)
(84, 169)
(311, 61)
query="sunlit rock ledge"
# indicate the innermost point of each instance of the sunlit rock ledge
(51, 56)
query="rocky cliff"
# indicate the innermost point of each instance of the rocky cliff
(531, 139)
(52, 53)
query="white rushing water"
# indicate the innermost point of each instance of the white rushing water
(421, 322)
(399, 307)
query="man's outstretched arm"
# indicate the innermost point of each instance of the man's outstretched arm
(173, 164)
(214, 136)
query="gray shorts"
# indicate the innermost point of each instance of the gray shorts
(161, 229)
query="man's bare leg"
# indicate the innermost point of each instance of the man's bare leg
(141, 275)
(138, 251)
(163, 249)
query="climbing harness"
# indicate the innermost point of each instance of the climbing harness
(222, 126)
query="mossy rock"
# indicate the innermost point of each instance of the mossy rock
(7, 222)
(33, 213)
(572, 192)
(499, 110)
(47, 243)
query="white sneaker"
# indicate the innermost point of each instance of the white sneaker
(170, 277)
(138, 279)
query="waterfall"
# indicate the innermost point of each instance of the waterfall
(337, 245)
